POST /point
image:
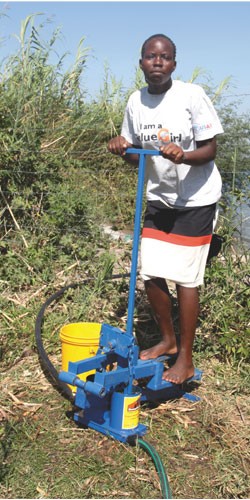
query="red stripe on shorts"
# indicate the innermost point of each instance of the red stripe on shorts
(177, 239)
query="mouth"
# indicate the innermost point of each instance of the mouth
(156, 72)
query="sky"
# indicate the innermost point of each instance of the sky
(214, 36)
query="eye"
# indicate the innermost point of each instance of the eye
(166, 57)
(151, 56)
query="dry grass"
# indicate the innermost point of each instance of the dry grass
(204, 446)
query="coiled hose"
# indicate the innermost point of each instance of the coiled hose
(44, 359)
(65, 391)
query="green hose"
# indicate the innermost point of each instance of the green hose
(151, 451)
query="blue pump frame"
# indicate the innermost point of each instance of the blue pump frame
(96, 398)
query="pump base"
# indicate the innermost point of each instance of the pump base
(123, 435)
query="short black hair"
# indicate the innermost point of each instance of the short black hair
(159, 35)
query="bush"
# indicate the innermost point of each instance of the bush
(225, 300)
(59, 185)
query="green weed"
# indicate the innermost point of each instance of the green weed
(59, 187)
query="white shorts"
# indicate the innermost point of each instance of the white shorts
(175, 243)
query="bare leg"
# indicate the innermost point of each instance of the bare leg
(183, 369)
(160, 301)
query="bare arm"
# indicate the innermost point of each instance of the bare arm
(118, 146)
(205, 152)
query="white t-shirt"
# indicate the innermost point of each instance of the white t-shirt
(184, 114)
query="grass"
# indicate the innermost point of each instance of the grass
(59, 187)
(204, 445)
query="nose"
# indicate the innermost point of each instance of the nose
(157, 60)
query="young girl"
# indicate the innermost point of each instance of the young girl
(183, 187)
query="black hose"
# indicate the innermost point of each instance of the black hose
(43, 357)
(151, 451)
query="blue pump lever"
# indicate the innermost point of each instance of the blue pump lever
(91, 387)
(137, 224)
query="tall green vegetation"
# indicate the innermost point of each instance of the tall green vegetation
(59, 185)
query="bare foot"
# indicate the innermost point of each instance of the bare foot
(158, 350)
(179, 372)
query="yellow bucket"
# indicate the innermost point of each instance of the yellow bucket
(79, 341)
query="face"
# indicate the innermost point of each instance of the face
(158, 64)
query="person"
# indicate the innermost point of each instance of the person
(183, 188)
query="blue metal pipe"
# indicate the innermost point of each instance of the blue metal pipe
(137, 226)
(91, 387)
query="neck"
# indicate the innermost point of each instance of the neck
(159, 89)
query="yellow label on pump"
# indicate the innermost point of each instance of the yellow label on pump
(131, 412)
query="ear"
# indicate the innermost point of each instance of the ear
(140, 63)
